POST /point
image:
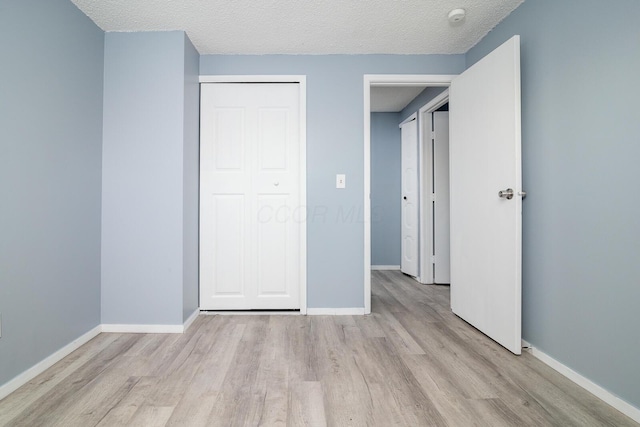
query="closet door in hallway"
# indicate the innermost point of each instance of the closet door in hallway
(410, 246)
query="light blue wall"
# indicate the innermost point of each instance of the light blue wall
(51, 60)
(335, 144)
(191, 178)
(581, 144)
(385, 189)
(142, 183)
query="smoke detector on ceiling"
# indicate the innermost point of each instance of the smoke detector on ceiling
(457, 15)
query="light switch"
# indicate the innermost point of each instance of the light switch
(341, 180)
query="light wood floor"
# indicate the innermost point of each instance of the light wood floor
(410, 363)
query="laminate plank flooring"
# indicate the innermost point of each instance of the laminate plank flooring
(410, 363)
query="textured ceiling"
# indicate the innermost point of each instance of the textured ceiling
(307, 26)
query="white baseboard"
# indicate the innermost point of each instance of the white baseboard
(336, 311)
(385, 267)
(40, 367)
(190, 320)
(143, 329)
(250, 313)
(151, 329)
(593, 388)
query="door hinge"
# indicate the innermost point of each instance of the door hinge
(433, 135)
(433, 259)
(433, 197)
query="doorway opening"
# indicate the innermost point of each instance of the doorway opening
(401, 83)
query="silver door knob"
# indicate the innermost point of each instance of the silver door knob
(506, 194)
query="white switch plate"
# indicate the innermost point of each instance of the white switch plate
(341, 180)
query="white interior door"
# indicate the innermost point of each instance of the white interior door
(249, 196)
(486, 230)
(410, 203)
(441, 238)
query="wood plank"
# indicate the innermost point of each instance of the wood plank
(202, 393)
(151, 416)
(123, 411)
(238, 401)
(96, 401)
(306, 405)
(301, 349)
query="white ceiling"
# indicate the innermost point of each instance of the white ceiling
(307, 26)
(391, 99)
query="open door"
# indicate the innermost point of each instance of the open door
(410, 244)
(486, 195)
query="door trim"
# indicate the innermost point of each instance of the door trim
(426, 267)
(302, 81)
(412, 117)
(443, 80)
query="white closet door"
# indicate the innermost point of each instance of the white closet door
(442, 268)
(250, 196)
(410, 203)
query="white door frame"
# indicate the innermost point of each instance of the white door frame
(426, 215)
(443, 80)
(302, 81)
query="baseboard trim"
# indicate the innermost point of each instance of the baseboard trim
(385, 267)
(593, 388)
(26, 376)
(335, 311)
(143, 329)
(190, 320)
(250, 313)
